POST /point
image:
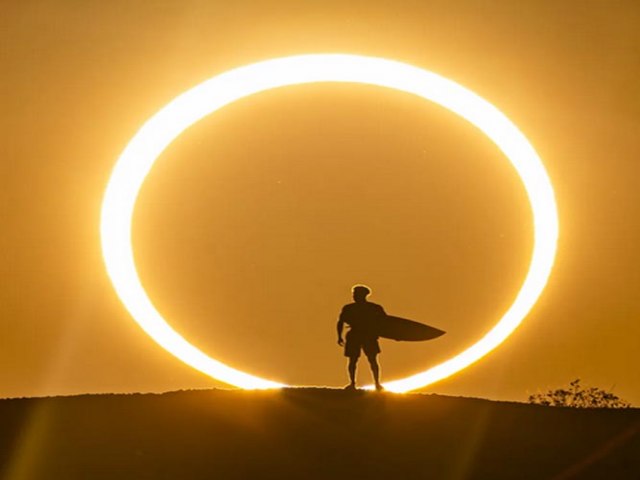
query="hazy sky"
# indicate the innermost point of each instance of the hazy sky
(254, 224)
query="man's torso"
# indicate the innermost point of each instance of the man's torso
(362, 317)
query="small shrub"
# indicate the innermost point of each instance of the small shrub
(579, 396)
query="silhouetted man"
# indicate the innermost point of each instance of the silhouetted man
(361, 316)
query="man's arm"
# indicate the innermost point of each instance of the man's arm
(339, 327)
(379, 317)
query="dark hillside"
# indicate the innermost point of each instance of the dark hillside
(311, 434)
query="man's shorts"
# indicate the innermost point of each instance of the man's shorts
(355, 343)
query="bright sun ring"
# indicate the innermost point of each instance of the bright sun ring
(159, 131)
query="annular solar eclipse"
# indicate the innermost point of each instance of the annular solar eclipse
(160, 130)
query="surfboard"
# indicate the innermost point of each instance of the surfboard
(401, 329)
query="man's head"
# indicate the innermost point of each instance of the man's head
(360, 293)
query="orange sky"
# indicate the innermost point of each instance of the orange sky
(254, 224)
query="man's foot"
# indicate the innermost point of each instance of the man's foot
(351, 386)
(379, 387)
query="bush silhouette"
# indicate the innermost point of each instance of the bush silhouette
(579, 396)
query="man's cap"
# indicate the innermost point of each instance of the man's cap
(363, 289)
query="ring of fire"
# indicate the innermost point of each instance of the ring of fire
(160, 130)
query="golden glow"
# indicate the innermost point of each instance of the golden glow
(159, 131)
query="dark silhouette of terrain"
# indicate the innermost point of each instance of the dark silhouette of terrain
(311, 434)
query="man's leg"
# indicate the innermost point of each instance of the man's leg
(353, 364)
(375, 370)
